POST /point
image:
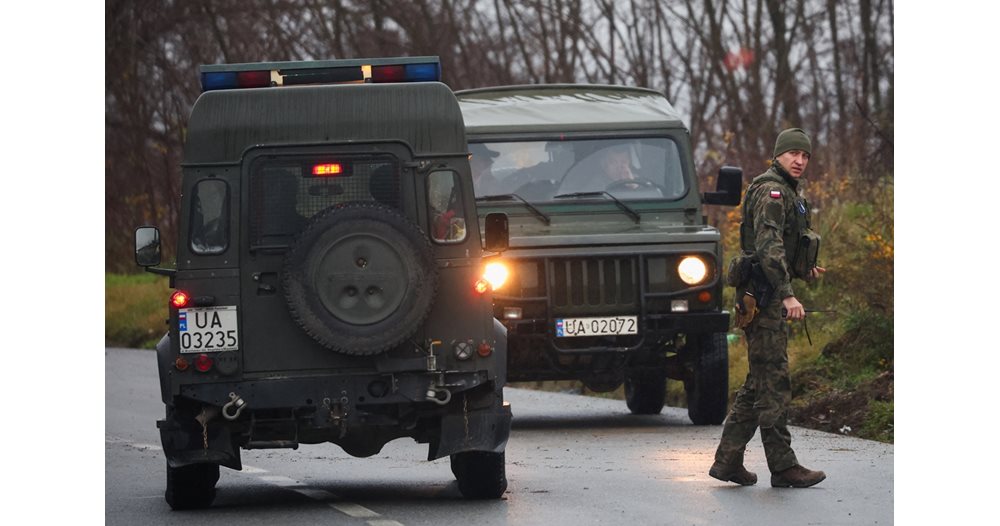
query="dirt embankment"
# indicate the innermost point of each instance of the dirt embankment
(865, 411)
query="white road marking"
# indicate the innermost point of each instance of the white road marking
(279, 480)
(347, 508)
(316, 494)
(354, 510)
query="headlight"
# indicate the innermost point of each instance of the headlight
(496, 273)
(692, 270)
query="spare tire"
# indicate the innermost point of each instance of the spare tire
(360, 278)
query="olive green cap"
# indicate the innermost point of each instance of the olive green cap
(792, 139)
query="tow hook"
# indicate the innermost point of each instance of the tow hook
(234, 402)
(432, 395)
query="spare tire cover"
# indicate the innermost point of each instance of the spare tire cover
(360, 279)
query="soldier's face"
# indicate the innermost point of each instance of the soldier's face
(794, 162)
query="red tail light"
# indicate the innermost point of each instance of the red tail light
(203, 363)
(179, 299)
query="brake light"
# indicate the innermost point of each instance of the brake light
(328, 169)
(179, 299)
(203, 363)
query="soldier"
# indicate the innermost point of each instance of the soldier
(776, 239)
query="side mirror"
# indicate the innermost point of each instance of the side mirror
(147, 246)
(497, 233)
(728, 187)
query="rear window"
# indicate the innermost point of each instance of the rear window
(286, 192)
(209, 234)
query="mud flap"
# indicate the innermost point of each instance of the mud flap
(184, 445)
(482, 430)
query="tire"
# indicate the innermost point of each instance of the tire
(708, 388)
(480, 474)
(191, 487)
(360, 279)
(645, 392)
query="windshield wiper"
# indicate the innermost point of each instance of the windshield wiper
(508, 197)
(631, 213)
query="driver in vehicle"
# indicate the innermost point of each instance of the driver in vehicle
(609, 168)
(616, 163)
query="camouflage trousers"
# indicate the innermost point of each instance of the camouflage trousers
(763, 399)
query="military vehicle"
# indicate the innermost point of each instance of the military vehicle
(613, 275)
(328, 288)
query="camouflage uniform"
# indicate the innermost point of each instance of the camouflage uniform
(774, 216)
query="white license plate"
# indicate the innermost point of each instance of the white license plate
(603, 326)
(208, 329)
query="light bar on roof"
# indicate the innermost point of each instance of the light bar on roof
(268, 74)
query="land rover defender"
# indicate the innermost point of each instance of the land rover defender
(329, 275)
(613, 275)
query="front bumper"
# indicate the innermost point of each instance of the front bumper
(653, 328)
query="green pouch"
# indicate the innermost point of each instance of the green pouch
(738, 273)
(806, 254)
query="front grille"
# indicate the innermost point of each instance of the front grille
(599, 286)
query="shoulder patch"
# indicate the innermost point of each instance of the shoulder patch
(775, 194)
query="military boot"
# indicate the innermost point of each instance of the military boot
(739, 475)
(796, 477)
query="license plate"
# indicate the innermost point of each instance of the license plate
(208, 329)
(603, 326)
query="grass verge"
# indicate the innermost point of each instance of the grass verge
(135, 309)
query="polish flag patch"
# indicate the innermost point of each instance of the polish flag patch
(775, 194)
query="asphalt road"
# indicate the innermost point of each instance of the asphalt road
(571, 460)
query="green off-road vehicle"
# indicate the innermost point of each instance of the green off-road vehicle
(613, 275)
(327, 286)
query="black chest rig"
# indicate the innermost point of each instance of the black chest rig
(800, 241)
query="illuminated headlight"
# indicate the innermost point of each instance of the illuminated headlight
(496, 273)
(678, 306)
(692, 270)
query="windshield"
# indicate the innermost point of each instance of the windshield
(538, 171)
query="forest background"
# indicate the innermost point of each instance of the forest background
(739, 71)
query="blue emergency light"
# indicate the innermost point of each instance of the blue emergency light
(355, 71)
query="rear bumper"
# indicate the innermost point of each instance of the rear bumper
(358, 412)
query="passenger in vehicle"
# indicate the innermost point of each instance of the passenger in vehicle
(481, 163)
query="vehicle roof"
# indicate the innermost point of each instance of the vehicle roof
(224, 123)
(564, 108)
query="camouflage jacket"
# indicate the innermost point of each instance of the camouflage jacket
(774, 215)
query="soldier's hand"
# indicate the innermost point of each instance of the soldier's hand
(816, 272)
(794, 310)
